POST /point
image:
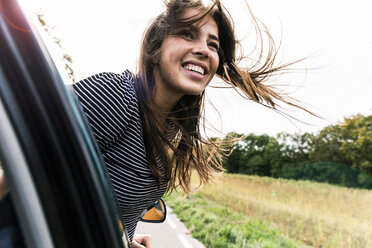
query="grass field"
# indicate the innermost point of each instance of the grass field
(294, 213)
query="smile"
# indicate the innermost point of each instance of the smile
(194, 68)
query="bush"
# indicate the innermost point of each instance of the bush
(332, 173)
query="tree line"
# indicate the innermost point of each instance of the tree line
(338, 154)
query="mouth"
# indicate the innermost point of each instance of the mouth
(195, 67)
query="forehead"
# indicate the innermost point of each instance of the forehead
(206, 23)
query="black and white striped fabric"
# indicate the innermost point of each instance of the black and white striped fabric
(110, 104)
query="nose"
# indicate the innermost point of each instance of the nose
(201, 49)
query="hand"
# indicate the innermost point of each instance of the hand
(141, 241)
(3, 186)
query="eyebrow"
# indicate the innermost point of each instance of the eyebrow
(213, 37)
(210, 36)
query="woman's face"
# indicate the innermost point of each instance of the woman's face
(189, 58)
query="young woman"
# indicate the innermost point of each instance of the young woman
(147, 124)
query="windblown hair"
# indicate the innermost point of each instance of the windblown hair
(175, 153)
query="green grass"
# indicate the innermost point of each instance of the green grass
(251, 211)
(216, 226)
(319, 214)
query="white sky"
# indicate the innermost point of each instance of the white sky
(105, 36)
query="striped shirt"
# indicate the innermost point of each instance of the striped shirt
(110, 103)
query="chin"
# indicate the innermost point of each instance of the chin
(193, 92)
(193, 88)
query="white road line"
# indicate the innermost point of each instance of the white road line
(184, 241)
(170, 222)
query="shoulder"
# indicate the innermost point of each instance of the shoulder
(107, 83)
(110, 103)
(108, 89)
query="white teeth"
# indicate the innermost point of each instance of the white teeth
(195, 68)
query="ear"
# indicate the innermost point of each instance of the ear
(155, 59)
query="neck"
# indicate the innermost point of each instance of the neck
(164, 100)
(162, 104)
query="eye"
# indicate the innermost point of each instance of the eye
(187, 34)
(214, 45)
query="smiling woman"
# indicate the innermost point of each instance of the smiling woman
(147, 123)
(188, 61)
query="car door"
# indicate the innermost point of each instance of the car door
(60, 189)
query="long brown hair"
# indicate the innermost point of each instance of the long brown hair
(172, 155)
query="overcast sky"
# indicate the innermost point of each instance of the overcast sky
(334, 34)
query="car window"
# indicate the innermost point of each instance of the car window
(68, 77)
(46, 147)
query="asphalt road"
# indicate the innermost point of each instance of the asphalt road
(170, 234)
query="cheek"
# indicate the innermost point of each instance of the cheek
(169, 59)
(215, 62)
